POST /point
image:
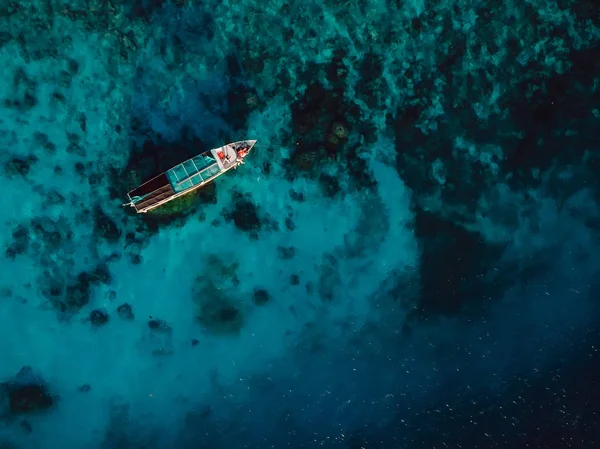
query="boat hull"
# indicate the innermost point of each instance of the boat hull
(188, 176)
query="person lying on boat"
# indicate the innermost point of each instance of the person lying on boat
(223, 156)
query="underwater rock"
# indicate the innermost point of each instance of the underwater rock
(337, 71)
(417, 154)
(332, 142)
(160, 337)
(309, 287)
(260, 297)
(329, 280)
(72, 66)
(221, 317)
(64, 79)
(77, 292)
(270, 224)
(100, 274)
(357, 167)
(454, 268)
(19, 166)
(26, 426)
(29, 398)
(25, 394)
(21, 79)
(24, 104)
(320, 119)
(125, 312)
(111, 295)
(159, 326)
(79, 168)
(286, 252)
(244, 214)
(20, 242)
(105, 226)
(98, 317)
(43, 140)
(75, 148)
(297, 196)
(143, 10)
(133, 248)
(266, 168)
(54, 198)
(241, 101)
(309, 111)
(82, 120)
(24, 90)
(51, 232)
(371, 89)
(289, 224)
(218, 312)
(208, 194)
(587, 10)
(58, 97)
(330, 186)
(416, 24)
(337, 136)
(5, 38)
(225, 273)
(294, 279)
(550, 114)
(305, 160)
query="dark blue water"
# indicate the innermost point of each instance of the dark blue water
(408, 259)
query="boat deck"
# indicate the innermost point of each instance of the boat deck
(152, 192)
(192, 172)
(229, 156)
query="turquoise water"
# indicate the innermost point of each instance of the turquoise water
(408, 259)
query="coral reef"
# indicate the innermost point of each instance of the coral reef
(99, 317)
(125, 312)
(245, 214)
(27, 393)
(260, 296)
(218, 310)
(412, 243)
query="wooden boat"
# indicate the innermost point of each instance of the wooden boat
(188, 176)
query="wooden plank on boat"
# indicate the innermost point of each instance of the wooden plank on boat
(152, 192)
(150, 186)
